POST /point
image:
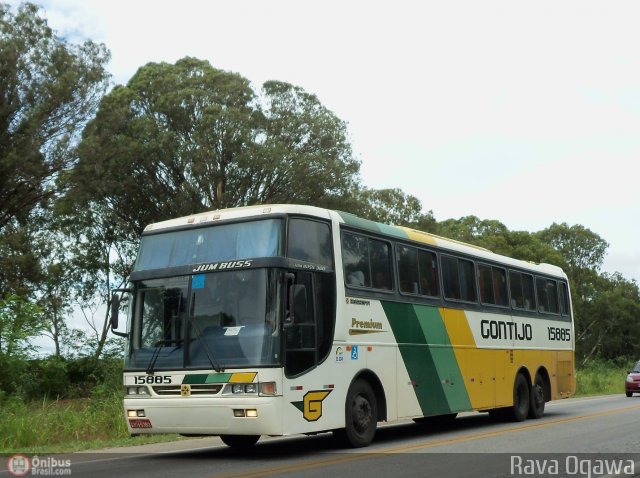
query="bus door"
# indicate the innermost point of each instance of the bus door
(308, 332)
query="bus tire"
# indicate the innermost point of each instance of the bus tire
(361, 415)
(520, 409)
(536, 406)
(240, 441)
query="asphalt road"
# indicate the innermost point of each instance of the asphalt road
(598, 436)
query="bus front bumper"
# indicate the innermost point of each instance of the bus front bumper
(205, 416)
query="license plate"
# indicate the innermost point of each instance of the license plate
(139, 423)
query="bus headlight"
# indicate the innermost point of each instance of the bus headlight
(263, 388)
(237, 388)
(137, 391)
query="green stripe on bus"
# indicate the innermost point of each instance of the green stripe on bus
(360, 223)
(201, 378)
(427, 353)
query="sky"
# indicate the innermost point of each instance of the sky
(523, 112)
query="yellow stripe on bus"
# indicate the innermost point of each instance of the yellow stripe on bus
(419, 236)
(242, 377)
(476, 365)
(489, 373)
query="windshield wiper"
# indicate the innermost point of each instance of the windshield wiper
(217, 366)
(156, 353)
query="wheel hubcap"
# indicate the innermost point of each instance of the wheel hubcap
(361, 413)
(538, 399)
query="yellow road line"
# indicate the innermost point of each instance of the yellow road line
(418, 446)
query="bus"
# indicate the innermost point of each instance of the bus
(289, 319)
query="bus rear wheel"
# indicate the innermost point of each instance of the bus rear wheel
(361, 415)
(240, 441)
(536, 408)
(521, 402)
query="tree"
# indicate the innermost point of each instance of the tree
(50, 88)
(471, 228)
(19, 321)
(583, 252)
(495, 236)
(20, 269)
(610, 320)
(303, 152)
(389, 206)
(184, 138)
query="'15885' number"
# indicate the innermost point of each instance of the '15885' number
(152, 379)
(559, 333)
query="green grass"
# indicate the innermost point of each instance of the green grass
(56, 426)
(600, 377)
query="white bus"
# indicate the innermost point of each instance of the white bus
(285, 319)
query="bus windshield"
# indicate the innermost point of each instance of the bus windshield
(222, 242)
(217, 320)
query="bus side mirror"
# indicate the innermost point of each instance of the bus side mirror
(115, 311)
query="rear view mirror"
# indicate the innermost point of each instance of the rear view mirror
(115, 312)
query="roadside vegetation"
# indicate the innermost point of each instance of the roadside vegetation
(603, 377)
(88, 414)
(96, 420)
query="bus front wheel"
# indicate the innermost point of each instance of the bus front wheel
(240, 441)
(361, 415)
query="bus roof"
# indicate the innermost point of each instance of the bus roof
(426, 238)
(356, 222)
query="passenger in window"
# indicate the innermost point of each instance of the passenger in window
(356, 278)
(425, 287)
(380, 281)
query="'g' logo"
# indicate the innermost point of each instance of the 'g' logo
(311, 406)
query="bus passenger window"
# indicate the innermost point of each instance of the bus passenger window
(458, 276)
(500, 286)
(366, 261)
(493, 285)
(547, 295)
(486, 284)
(467, 280)
(522, 296)
(450, 277)
(527, 289)
(355, 259)
(408, 269)
(380, 264)
(564, 298)
(428, 266)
